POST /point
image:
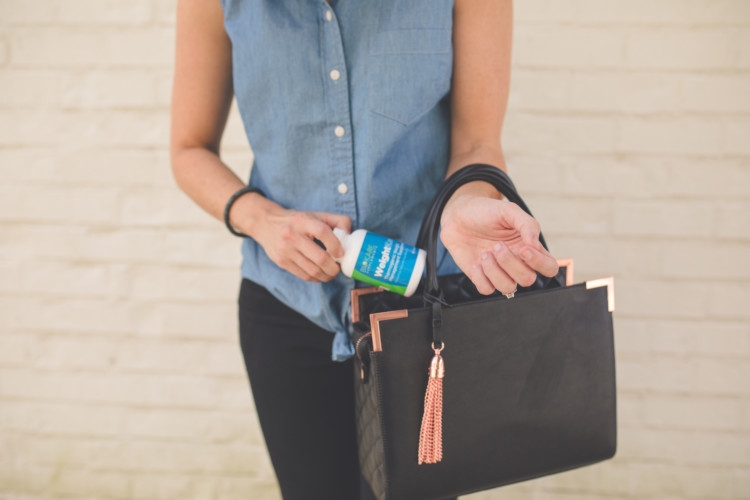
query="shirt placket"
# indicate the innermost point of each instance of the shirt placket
(339, 131)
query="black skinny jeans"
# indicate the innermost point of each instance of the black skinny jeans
(304, 400)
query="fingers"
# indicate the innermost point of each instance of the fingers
(477, 276)
(540, 260)
(502, 270)
(505, 268)
(516, 269)
(496, 275)
(324, 232)
(300, 255)
(533, 254)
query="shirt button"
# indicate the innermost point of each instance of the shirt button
(335, 75)
(339, 131)
(343, 188)
(329, 15)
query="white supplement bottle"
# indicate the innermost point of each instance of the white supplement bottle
(381, 261)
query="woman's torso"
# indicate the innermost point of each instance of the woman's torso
(346, 108)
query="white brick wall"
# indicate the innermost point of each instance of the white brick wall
(120, 374)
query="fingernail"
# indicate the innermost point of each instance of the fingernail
(485, 255)
(498, 247)
(526, 254)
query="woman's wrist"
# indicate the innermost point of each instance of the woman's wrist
(240, 210)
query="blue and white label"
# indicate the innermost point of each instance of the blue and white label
(385, 262)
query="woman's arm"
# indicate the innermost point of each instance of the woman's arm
(493, 241)
(201, 97)
(482, 40)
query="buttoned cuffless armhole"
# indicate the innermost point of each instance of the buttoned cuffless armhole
(409, 72)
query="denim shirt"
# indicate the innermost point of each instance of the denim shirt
(346, 108)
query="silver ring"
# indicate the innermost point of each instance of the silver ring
(511, 294)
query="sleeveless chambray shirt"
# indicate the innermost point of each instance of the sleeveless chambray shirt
(346, 108)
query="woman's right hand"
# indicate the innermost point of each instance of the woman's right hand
(289, 236)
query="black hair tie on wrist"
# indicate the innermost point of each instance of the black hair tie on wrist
(232, 199)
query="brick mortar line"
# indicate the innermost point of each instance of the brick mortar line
(174, 408)
(130, 336)
(91, 27)
(635, 71)
(177, 267)
(94, 24)
(168, 266)
(745, 398)
(126, 438)
(651, 238)
(621, 155)
(122, 337)
(114, 227)
(625, 155)
(641, 393)
(574, 113)
(114, 224)
(682, 356)
(691, 430)
(657, 317)
(125, 405)
(628, 25)
(142, 66)
(160, 108)
(643, 461)
(125, 299)
(117, 297)
(151, 472)
(629, 67)
(116, 371)
(204, 473)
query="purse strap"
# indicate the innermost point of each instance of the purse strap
(430, 229)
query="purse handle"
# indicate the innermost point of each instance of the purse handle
(430, 228)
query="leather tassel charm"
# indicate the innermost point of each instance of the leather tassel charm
(431, 433)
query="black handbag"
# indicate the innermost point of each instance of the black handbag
(528, 383)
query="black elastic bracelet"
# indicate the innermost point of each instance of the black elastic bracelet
(228, 206)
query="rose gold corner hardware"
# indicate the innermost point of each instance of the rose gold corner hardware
(610, 284)
(355, 294)
(568, 265)
(375, 320)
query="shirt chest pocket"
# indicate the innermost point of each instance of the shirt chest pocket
(409, 72)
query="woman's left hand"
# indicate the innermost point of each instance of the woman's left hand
(495, 243)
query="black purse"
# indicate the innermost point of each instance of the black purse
(483, 391)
